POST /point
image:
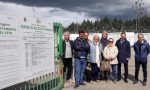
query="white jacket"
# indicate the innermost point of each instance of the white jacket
(111, 52)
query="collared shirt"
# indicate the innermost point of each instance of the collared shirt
(122, 41)
(68, 53)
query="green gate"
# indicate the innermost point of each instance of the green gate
(51, 81)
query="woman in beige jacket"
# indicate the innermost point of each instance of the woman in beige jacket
(110, 54)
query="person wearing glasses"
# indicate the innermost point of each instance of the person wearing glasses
(110, 54)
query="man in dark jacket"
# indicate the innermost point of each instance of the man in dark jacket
(67, 55)
(124, 54)
(81, 49)
(142, 49)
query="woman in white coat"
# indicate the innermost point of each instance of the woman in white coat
(110, 54)
(95, 57)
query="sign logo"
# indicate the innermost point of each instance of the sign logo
(38, 21)
(25, 19)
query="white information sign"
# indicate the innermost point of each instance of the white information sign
(36, 48)
(9, 51)
(26, 49)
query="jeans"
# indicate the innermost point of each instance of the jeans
(114, 71)
(112, 75)
(80, 65)
(137, 68)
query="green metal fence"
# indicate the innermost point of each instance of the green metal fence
(51, 81)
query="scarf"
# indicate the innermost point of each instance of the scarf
(104, 42)
(97, 54)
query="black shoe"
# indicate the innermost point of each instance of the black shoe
(126, 81)
(114, 81)
(135, 82)
(105, 78)
(76, 86)
(82, 84)
(118, 79)
(144, 83)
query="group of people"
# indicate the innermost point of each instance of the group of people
(95, 52)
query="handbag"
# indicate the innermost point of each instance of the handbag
(105, 66)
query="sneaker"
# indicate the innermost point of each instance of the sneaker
(82, 84)
(70, 81)
(144, 83)
(67, 81)
(76, 86)
(135, 82)
(66, 84)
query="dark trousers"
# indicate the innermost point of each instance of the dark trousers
(125, 69)
(95, 71)
(68, 67)
(87, 75)
(137, 68)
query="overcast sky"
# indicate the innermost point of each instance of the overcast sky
(67, 11)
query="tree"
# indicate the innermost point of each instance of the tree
(111, 25)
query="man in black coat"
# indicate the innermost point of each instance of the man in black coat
(67, 55)
(123, 46)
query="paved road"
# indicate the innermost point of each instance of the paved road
(102, 85)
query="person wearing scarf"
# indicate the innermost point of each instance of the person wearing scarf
(104, 41)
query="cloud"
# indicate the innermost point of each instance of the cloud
(94, 8)
(77, 10)
(48, 13)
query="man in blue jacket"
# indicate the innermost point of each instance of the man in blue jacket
(81, 49)
(142, 49)
(124, 54)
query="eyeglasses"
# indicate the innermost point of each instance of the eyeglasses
(111, 41)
